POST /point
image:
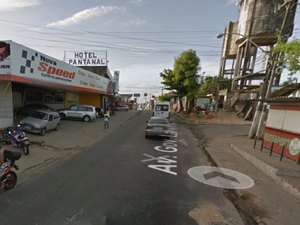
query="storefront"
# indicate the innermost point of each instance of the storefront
(28, 76)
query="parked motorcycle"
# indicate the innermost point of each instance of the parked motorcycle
(19, 139)
(8, 177)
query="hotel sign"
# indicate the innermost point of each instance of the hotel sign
(86, 58)
(24, 65)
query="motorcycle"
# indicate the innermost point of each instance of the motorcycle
(19, 139)
(8, 177)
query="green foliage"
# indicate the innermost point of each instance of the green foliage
(291, 55)
(168, 79)
(186, 73)
(184, 76)
(164, 98)
(210, 85)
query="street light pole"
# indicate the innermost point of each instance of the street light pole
(272, 68)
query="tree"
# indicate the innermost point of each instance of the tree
(168, 79)
(186, 76)
(210, 84)
(290, 59)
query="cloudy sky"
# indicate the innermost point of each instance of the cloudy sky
(141, 37)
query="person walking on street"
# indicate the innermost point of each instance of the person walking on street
(106, 120)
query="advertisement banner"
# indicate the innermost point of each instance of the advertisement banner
(5, 60)
(29, 66)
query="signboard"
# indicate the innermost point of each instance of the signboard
(5, 58)
(294, 147)
(86, 58)
(27, 65)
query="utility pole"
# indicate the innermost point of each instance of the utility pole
(261, 108)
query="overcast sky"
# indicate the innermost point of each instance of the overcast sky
(141, 37)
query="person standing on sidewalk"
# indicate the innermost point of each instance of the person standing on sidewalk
(106, 120)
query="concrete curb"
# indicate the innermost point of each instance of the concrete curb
(268, 170)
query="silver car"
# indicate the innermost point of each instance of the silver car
(41, 121)
(81, 112)
(158, 127)
(122, 108)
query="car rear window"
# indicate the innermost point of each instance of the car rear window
(161, 108)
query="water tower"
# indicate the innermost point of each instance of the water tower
(247, 41)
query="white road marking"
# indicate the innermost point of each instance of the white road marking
(221, 177)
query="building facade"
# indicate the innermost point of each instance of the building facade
(29, 76)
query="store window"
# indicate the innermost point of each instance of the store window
(44, 96)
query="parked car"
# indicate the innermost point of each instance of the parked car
(158, 127)
(41, 121)
(122, 108)
(81, 112)
(31, 108)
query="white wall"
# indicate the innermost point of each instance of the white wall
(287, 120)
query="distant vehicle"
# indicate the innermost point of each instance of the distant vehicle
(81, 112)
(41, 121)
(122, 108)
(162, 109)
(31, 108)
(158, 127)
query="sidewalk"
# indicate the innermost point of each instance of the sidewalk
(52, 148)
(276, 193)
(285, 173)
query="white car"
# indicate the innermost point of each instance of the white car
(41, 121)
(81, 112)
(162, 109)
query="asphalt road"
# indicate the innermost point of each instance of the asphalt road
(123, 179)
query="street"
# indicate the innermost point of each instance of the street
(123, 179)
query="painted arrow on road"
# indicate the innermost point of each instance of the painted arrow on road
(214, 174)
(220, 177)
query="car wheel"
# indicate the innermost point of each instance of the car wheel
(43, 131)
(86, 119)
(146, 136)
(56, 128)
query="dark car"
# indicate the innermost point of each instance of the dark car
(28, 109)
(158, 127)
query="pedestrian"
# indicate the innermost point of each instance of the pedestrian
(106, 120)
